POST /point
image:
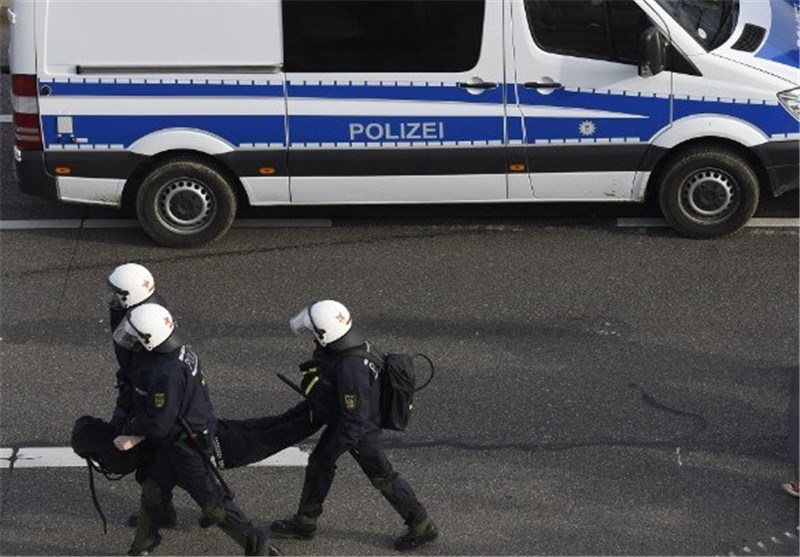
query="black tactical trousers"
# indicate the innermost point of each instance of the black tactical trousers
(244, 442)
(185, 467)
(370, 457)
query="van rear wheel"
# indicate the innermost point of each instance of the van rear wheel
(185, 203)
(708, 193)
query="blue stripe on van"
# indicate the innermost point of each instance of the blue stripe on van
(772, 119)
(197, 88)
(782, 42)
(395, 91)
(640, 117)
(344, 90)
(562, 129)
(125, 130)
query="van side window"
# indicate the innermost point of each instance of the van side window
(397, 36)
(601, 29)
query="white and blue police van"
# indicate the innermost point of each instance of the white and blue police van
(188, 109)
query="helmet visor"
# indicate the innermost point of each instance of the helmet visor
(301, 324)
(126, 336)
(115, 297)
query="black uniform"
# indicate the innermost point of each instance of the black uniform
(345, 394)
(170, 388)
(123, 407)
(124, 401)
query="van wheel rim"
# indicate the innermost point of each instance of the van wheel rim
(186, 205)
(709, 194)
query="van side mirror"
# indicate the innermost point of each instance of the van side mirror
(652, 52)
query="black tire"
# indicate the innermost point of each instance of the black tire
(185, 203)
(708, 193)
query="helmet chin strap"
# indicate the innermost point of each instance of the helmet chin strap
(319, 333)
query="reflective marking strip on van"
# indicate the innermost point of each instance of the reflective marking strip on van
(6, 118)
(753, 223)
(166, 87)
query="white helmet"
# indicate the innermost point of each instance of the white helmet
(327, 320)
(150, 326)
(129, 285)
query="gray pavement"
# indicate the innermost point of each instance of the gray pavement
(599, 391)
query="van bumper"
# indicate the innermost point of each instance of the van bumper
(32, 176)
(781, 160)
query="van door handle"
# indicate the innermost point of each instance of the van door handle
(545, 85)
(480, 85)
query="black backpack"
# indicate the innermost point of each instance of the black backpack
(398, 380)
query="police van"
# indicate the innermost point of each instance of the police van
(188, 109)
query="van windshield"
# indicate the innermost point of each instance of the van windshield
(710, 22)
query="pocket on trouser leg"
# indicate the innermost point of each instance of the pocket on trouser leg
(146, 537)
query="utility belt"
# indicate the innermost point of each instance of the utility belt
(202, 441)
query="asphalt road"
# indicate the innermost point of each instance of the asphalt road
(598, 391)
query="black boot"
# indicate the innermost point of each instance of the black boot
(258, 544)
(146, 547)
(417, 535)
(298, 527)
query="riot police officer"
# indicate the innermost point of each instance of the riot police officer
(130, 285)
(344, 392)
(172, 410)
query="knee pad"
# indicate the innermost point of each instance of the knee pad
(214, 514)
(384, 484)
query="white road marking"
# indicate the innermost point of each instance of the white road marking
(45, 224)
(64, 457)
(5, 118)
(752, 223)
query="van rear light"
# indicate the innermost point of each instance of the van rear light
(23, 85)
(25, 106)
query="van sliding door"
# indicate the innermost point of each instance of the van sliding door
(395, 102)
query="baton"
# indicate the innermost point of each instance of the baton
(191, 435)
(292, 385)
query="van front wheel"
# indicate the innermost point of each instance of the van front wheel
(708, 193)
(185, 203)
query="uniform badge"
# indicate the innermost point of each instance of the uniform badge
(159, 400)
(350, 402)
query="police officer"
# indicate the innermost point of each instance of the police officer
(130, 285)
(344, 392)
(172, 410)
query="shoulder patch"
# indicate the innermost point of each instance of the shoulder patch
(159, 400)
(350, 402)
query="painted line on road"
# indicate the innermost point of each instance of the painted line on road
(65, 457)
(765, 547)
(752, 223)
(48, 224)
(5, 118)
